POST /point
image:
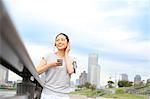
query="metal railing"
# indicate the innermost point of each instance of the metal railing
(14, 56)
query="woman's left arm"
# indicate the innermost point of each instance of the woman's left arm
(68, 60)
(69, 64)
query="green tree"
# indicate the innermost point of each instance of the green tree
(148, 82)
(87, 85)
(93, 87)
(110, 84)
(124, 83)
(130, 83)
(79, 86)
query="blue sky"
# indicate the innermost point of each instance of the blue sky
(118, 30)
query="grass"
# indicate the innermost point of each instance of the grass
(87, 92)
(90, 93)
(82, 92)
(124, 96)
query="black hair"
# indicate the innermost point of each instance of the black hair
(63, 35)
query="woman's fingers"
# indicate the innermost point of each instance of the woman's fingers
(55, 64)
(68, 48)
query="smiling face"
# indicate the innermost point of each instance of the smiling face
(61, 42)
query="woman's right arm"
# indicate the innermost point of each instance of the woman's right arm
(43, 66)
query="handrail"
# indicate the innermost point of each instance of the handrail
(13, 54)
(11, 37)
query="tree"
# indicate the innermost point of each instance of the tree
(93, 87)
(124, 83)
(110, 84)
(79, 86)
(130, 83)
(120, 84)
(87, 85)
(148, 82)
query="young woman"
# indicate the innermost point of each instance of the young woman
(58, 68)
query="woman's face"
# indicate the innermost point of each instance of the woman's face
(61, 42)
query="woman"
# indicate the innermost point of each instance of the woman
(58, 68)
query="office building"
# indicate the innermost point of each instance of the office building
(137, 79)
(83, 78)
(93, 69)
(124, 77)
(3, 75)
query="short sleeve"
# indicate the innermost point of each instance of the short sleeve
(47, 57)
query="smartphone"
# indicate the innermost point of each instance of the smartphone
(60, 62)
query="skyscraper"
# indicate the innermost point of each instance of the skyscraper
(98, 75)
(93, 69)
(137, 79)
(124, 77)
(3, 74)
(83, 78)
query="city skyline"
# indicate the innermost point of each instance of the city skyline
(136, 78)
(117, 30)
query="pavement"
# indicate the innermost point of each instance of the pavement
(78, 97)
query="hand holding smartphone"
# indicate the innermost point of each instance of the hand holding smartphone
(60, 62)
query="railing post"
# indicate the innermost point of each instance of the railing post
(38, 91)
(26, 88)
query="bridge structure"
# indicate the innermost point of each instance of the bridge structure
(14, 56)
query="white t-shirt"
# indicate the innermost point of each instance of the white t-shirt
(57, 80)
